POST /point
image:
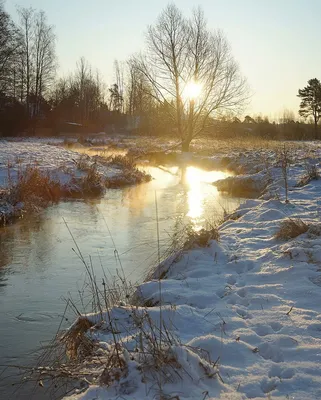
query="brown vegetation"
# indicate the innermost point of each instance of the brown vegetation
(34, 188)
(311, 174)
(291, 228)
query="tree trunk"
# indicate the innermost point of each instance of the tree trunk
(185, 145)
(187, 140)
(315, 128)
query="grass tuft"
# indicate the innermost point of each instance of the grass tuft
(93, 183)
(201, 238)
(291, 228)
(311, 174)
(34, 188)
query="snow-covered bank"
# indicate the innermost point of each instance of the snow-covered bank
(241, 317)
(72, 174)
(266, 173)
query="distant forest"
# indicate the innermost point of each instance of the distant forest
(35, 101)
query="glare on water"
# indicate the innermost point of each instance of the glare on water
(200, 190)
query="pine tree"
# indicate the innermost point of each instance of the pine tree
(311, 102)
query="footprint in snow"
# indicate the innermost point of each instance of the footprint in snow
(250, 265)
(234, 299)
(315, 330)
(271, 352)
(263, 330)
(242, 292)
(276, 326)
(267, 385)
(243, 314)
(281, 372)
(231, 280)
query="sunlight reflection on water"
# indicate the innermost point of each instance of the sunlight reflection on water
(198, 182)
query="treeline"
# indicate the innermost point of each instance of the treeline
(284, 128)
(32, 99)
(27, 67)
(153, 93)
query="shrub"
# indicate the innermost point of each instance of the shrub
(291, 228)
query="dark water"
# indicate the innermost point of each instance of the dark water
(38, 267)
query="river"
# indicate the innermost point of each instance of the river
(39, 268)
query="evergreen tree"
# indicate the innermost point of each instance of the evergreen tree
(311, 102)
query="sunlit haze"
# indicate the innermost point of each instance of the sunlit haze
(275, 42)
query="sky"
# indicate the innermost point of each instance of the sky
(276, 42)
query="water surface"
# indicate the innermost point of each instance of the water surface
(38, 267)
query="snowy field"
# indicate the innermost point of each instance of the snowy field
(241, 316)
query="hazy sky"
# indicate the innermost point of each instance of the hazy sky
(276, 42)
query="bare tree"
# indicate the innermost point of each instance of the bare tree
(119, 78)
(44, 57)
(139, 100)
(79, 97)
(26, 16)
(82, 77)
(287, 117)
(9, 46)
(36, 65)
(192, 69)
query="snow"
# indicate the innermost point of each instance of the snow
(63, 165)
(249, 300)
(60, 162)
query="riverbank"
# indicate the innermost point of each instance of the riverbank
(34, 174)
(240, 315)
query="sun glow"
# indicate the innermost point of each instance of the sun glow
(193, 90)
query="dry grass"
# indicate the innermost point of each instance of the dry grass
(311, 173)
(93, 183)
(83, 162)
(184, 238)
(291, 228)
(78, 345)
(34, 188)
(125, 162)
(153, 352)
(201, 238)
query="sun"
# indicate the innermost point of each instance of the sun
(193, 90)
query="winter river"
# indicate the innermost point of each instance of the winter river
(39, 269)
